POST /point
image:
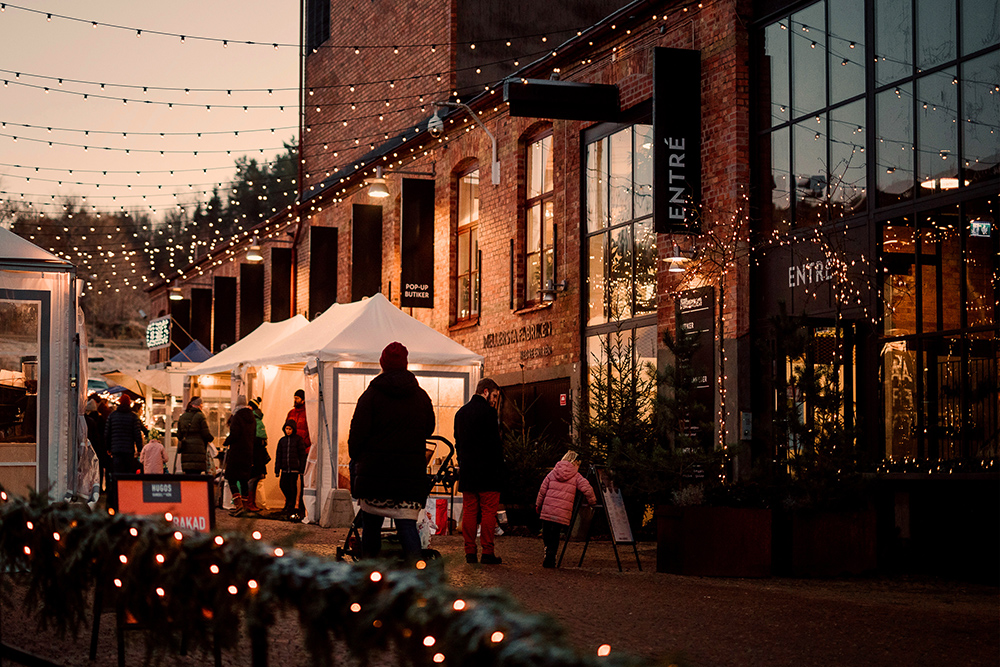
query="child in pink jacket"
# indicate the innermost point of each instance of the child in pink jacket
(555, 501)
(153, 458)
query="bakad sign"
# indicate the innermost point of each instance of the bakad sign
(187, 498)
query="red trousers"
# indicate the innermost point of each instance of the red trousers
(479, 508)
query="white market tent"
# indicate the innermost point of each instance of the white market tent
(333, 359)
(39, 322)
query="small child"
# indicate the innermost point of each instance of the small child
(555, 501)
(153, 458)
(289, 462)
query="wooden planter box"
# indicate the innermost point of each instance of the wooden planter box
(812, 543)
(714, 541)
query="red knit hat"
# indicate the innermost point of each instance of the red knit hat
(393, 357)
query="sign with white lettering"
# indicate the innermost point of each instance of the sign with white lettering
(186, 499)
(677, 140)
(695, 318)
(158, 333)
(417, 244)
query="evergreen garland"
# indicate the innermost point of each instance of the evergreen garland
(209, 585)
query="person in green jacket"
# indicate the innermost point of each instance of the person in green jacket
(193, 437)
(260, 456)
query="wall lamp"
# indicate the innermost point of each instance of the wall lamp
(552, 288)
(254, 254)
(436, 127)
(678, 260)
(176, 294)
(377, 187)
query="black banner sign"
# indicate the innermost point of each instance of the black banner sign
(677, 140)
(417, 244)
(696, 317)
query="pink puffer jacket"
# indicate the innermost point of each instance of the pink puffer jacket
(558, 491)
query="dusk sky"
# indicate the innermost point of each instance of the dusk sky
(44, 50)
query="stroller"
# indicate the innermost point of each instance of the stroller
(444, 478)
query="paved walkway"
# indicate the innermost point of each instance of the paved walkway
(673, 619)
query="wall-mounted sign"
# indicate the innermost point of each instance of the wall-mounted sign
(417, 244)
(981, 228)
(677, 140)
(158, 333)
(810, 273)
(187, 498)
(524, 334)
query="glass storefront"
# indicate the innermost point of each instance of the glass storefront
(913, 114)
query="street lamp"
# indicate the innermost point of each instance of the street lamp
(438, 123)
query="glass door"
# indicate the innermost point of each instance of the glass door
(19, 355)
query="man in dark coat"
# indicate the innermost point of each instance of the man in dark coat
(193, 436)
(123, 437)
(95, 433)
(239, 455)
(388, 445)
(481, 469)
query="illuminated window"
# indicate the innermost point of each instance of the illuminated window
(540, 225)
(467, 248)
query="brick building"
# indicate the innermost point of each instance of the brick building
(843, 172)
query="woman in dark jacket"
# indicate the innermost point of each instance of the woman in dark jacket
(239, 456)
(193, 435)
(388, 444)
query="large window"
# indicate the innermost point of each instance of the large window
(886, 112)
(940, 350)
(620, 239)
(933, 104)
(540, 223)
(620, 246)
(467, 248)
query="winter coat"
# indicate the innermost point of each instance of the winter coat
(122, 435)
(239, 458)
(193, 436)
(153, 457)
(261, 457)
(301, 425)
(261, 431)
(388, 439)
(558, 491)
(95, 433)
(291, 454)
(479, 447)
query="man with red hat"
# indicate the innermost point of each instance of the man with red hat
(298, 415)
(388, 444)
(123, 437)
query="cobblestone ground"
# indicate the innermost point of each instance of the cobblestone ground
(670, 619)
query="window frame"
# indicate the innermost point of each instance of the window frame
(546, 197)
(475, 254)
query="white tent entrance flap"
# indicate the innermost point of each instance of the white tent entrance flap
(333, 359)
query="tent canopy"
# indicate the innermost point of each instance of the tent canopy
(359, 331)
(195, 352)
(13, 247)
(250, 346)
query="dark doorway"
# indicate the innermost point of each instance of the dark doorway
(546, 406)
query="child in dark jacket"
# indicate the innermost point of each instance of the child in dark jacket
(555, 502)
(289, 463)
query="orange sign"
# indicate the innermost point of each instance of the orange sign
(187, 498)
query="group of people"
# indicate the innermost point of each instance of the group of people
(245, 452)
(123, 446)
(387, 443)
(121, 441)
